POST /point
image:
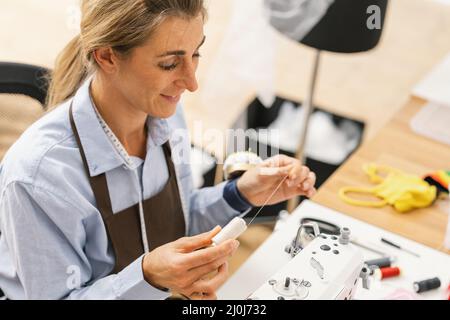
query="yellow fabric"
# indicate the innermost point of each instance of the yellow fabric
(403, 191)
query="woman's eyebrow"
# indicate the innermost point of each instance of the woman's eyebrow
(180, 52)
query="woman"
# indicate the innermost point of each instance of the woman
(95, 203)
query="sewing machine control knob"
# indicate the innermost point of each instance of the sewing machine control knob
(287, 282)
(290, 288)
(365, 274)
(345, 236)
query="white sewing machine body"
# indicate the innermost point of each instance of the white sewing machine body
(326, 269)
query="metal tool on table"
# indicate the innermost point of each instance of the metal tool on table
(390, 243)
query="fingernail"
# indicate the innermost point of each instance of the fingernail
(306, 186)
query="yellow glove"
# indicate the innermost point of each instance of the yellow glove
(403, 191)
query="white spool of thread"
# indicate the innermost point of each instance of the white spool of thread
(231, 231)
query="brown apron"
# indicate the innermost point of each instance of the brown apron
(163, 213)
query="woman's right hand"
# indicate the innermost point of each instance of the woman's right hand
(182, 265)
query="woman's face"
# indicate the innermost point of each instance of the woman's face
(154, 76)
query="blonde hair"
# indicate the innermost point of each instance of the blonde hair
(119, 24)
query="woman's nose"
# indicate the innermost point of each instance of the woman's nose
(189, 80)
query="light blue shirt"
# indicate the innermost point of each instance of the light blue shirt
(53, 242)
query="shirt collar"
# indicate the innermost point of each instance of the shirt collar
(100, 153)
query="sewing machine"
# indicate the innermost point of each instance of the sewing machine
(326, 267)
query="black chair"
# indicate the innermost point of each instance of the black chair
(28, 80)
(344, 27)
(23, 79)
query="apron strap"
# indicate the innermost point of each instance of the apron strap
(169, 160)
(98, 183)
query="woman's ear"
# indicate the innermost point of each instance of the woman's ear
(106, 59)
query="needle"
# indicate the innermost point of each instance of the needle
(399, 247)
(359, 244)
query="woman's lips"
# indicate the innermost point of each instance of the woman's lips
(171, 99)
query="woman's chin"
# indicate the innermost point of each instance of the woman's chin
(162, 109)
(163, 114)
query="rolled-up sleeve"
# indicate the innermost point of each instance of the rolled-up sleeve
(46, 237)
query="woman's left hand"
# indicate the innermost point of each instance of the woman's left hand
(257, 184)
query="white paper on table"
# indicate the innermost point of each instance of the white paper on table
(446, 2)
(436, 85)
(433, 121)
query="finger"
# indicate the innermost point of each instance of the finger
(309, 182)
(209, 286)
(189, 244)
(210, 254)
(275, 171)
(297, 175)
(308, 193)
(311, 192)
(202, 296)
(279, 160)
(195, 296)
(199, 272)
(209, 296)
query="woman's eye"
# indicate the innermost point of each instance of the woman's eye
(172, 66)
(168, 67)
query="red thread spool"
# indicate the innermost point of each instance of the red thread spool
(448, 291)
(388, 272)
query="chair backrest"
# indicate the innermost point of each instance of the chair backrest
(344, 28)
(25, 79)
(19, 83)
(23, 90)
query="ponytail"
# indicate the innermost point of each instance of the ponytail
(68, 75)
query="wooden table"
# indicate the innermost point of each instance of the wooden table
(398, 146)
